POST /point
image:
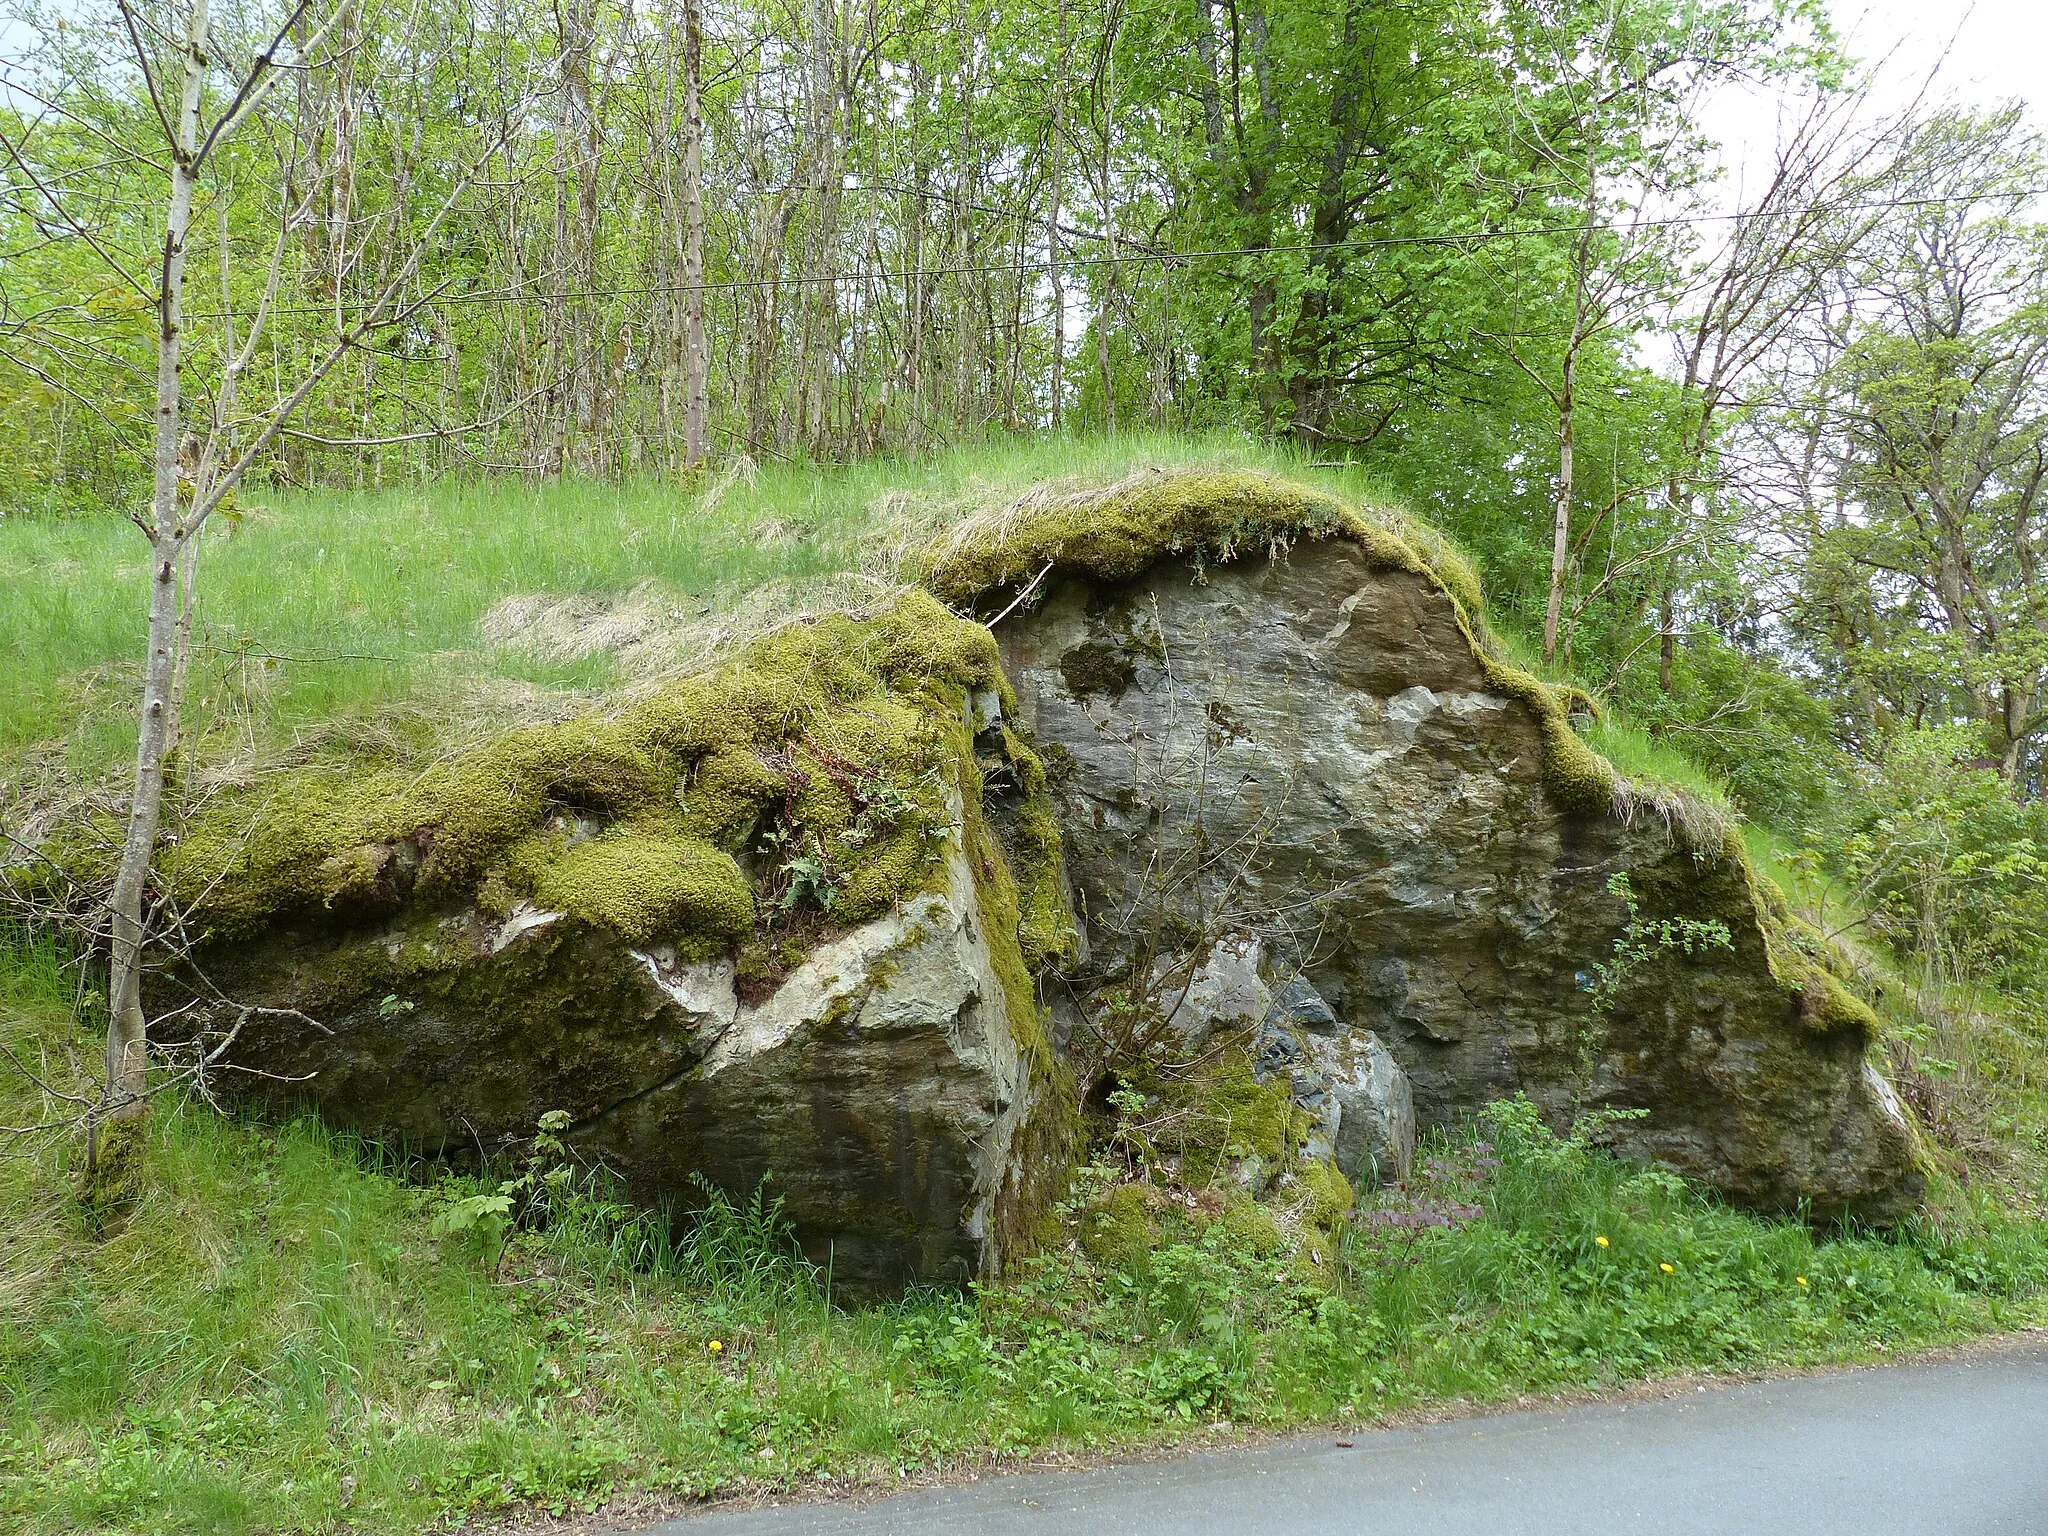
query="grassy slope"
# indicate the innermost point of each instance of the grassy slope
(277, 1338)
(348, 603)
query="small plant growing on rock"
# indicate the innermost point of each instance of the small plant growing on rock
(810, 879)
(1641, 941)
(530, 1198)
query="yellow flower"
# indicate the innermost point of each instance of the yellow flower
(1802, 1279)
(716, 1346)
(1601, 1241)
(1667, 1269)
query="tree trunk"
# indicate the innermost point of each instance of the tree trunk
(697, 364)
(127, 1063)
(1107, 291)
(589, 328)
(1561, 522)
(1667, 637)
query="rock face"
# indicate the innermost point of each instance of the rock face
(880, 1085)
(761, 925)
(1311, 749)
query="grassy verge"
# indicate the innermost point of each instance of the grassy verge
(289, 1333)
(336, 606)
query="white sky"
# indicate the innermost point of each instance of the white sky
(1997, 49)
(1982, 51)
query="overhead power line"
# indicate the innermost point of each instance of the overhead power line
(882, 275)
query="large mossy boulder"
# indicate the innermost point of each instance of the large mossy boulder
(788, 920)
(1264, 713)
(760, 925)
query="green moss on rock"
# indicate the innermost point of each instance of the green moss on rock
(1250, 1227)
(842, 734)
(1579, 780)
(1117, 1231)
(1577, 701)
(1222, 1115)
(1809, 965)
(1322, 1203)
(727, 794)
(642, 886)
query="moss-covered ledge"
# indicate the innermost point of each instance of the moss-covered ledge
(801, 788)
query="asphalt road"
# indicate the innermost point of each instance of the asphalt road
(1957, 1448)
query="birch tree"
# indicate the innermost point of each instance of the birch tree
(203, 90)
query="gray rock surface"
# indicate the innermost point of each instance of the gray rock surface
(1313, 744)
(1371, 1119)
(881, 1083)
(1224, 992)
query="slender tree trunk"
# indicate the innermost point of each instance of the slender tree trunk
(589, 327)
(1667, 636)
(127, 1063)
(1107, 292)
(697, 362)
(563, 350)
(1561, 522)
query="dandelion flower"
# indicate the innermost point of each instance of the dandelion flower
(716, 1346)
(1601, 1241)
(1802, 1279)
(1667, 1269)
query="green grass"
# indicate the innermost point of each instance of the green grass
(335, 606)
(277, 1340)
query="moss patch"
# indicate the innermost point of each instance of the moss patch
(824, 757)
(642, 886)
(1218, 1113)
(1322, 1203)
(111, 1179)
(1118, 1230)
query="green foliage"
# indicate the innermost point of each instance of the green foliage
(1643, 940)
(1947, 864)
